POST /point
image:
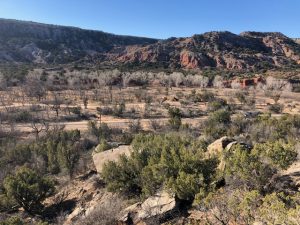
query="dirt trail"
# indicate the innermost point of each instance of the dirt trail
(110, 121)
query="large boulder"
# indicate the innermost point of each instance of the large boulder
(222, 145)
(158, 207)
(100, 158)
(217, 147)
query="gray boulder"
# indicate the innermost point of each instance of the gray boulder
(157, 206)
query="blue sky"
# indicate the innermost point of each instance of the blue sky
(161, 18)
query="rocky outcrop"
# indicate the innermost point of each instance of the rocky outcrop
(154, 207)
(28, 42)
(80, 198)
(250, 50)
(222, 145)
(218, 146)
(100, 158)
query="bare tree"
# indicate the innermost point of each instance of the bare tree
(218, 82)
(176, 79)
(56, 104)
(154, 124)
(55, 129)
(275, 87)
(196, 81)
(38, 127)
(85, 101)
(34, 86)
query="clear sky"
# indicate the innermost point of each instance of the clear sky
(161, 18)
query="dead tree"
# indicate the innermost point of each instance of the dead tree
(85, 101)
(56, 104)
(38, 127)
(34, 86)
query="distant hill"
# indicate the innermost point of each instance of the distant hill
(29, 42)
(249, 50)
(40, 43)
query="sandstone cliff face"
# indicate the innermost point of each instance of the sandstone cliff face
(249, 50)
(278, 43)
(27, 42)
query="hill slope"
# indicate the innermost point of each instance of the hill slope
(29, 42)
(40, 43)
(249, 50)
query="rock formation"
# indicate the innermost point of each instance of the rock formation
(157, 206)
(220, 146)
(28, 42)
(113, 154)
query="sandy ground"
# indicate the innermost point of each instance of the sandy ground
(110, 121)
(290, 100)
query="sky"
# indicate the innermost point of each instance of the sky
(161, 18)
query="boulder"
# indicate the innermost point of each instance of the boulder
(224, 144)
(218, 146)
(113, 154)
(158, 206)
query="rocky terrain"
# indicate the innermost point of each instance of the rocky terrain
(86, 194)
(249, 50)
(29, 42)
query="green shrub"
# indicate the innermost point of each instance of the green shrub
(241, 96)
(220, 116)
(119, 109)
(28, 189)
(19, 154)
(170, 161)
(13, 221)
(281, 154)
(175, 118)
(217, 123)
(103, 146)
(266, 128)
(216, 105)
(276, 108)
(6, 203)
(206, 96)
(22, 116)
(76, 110)
(245, 168)
(105, 110)
(99, 130)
